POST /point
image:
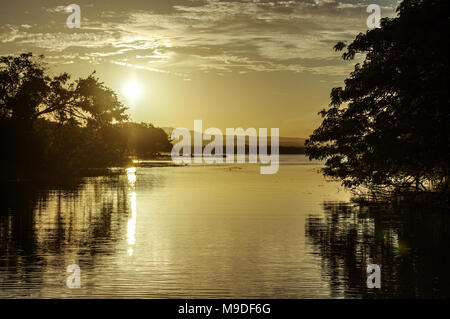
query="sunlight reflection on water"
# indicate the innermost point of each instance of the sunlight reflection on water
(193, 231)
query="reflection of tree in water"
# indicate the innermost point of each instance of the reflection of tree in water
(17, 231)
(41, 228)
(410, 244)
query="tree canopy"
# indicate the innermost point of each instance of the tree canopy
(388, 128)
(28, 93)
(52, 125)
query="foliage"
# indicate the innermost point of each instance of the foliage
(52, 124)
(388, 128)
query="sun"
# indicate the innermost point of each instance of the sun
(132, 90)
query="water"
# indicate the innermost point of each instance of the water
(222, 231)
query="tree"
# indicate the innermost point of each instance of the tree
(388, 128)
(23, 87)
(29, 97)
(96, 103)
(50, 125)
(28, 93)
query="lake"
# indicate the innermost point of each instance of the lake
(216, 231)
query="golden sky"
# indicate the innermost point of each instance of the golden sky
(230, 63)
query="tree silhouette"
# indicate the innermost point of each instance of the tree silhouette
(27, 93)
(50, 124)
(388, 128)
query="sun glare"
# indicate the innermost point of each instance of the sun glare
(132, 90)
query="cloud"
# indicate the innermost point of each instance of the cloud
(182, 37)
(56, 9)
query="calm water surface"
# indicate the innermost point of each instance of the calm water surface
(215, 231)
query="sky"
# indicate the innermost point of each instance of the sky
(229, 63)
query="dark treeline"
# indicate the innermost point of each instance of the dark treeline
(388, 128)
(50, 124)
(281, 149)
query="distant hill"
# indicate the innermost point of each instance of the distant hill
(284, 141)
